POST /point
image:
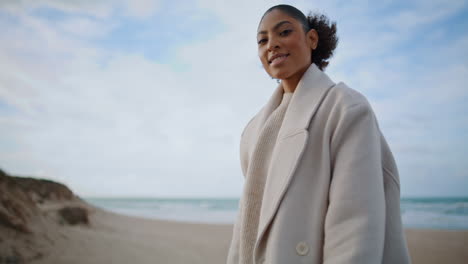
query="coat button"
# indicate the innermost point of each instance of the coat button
(302, 248)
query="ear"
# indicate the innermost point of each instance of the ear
(312, 38)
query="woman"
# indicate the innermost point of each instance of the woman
(321, 184)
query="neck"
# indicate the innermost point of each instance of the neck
(290, 84)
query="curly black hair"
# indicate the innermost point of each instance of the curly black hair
(326, 30)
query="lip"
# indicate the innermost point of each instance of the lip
(270, 60)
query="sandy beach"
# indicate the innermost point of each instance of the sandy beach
(44, 222)
(438, 246)
(114, 238)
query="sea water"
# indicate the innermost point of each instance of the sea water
(426, 212)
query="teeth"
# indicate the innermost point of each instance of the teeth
(279, 57)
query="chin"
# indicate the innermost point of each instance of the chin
(280, 75)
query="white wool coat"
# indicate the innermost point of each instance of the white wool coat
(332, 193)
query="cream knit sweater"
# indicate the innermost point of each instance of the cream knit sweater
(257, 174)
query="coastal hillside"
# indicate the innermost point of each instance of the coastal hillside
(32, 211)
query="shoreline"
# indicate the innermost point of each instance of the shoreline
(417, 213)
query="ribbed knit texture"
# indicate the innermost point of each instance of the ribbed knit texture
(255, 181)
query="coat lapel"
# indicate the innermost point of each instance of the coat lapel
(292, 139)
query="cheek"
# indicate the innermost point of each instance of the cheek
(262, 56)
(299, 48)
(261, 53)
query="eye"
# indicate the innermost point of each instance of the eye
(285, 32)
(262, 41)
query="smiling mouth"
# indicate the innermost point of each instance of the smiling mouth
(278, 58)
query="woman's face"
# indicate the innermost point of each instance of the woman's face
(283, 47)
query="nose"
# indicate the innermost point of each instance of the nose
(272, 44)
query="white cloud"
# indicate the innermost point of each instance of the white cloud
(142, 8)
(129, 118)
(86, 28)
(101, 9)
(423, 13)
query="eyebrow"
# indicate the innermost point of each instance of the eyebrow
(275, 27)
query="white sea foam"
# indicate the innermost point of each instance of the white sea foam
(434, 213)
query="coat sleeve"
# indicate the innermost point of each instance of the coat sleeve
(355, 219)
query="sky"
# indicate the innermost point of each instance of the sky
(149, 98)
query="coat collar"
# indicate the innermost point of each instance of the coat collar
(292, 139)
(304, 102)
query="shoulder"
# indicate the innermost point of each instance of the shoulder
(345, 97)
(345, 109)
(344, 105)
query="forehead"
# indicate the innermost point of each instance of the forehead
(271, 19)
